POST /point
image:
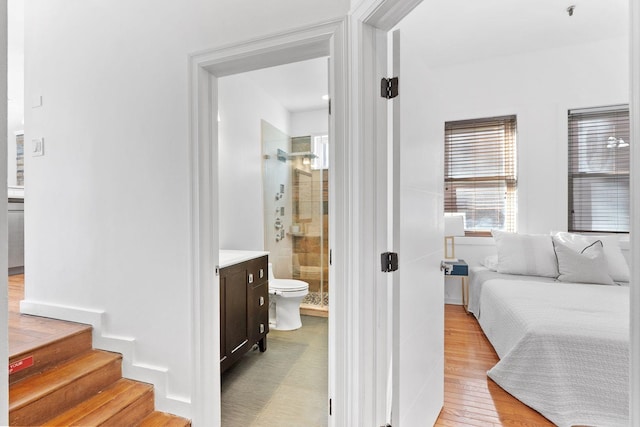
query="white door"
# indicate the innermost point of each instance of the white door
(418, 295)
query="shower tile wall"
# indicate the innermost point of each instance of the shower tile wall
(310, 248)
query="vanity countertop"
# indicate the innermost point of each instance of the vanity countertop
(230, 257)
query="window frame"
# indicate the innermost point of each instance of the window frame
(507, 179)
(615, 115)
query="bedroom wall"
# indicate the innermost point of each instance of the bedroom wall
(539, 87)
(107, 215)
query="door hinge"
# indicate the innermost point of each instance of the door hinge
(389, 261)
(389, 87)
(217, 270)
(329, 106)
(330, 408)
(330, 257)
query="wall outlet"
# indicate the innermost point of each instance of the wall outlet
(37, 147)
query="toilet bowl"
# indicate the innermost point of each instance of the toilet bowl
(284, 302)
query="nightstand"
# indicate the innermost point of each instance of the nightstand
(459, 268)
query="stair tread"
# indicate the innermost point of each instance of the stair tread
(162, 419)
(104, 405)
(28, 333)
(39, 385)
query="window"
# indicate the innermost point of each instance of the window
(480, 173)
(599, 169)
(320, 149)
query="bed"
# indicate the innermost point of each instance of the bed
(563, 346)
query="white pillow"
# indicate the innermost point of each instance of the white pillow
(587, 266)
(617, 265)
(491, 262)
(528, 254)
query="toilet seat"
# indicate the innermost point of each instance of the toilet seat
(288, 285)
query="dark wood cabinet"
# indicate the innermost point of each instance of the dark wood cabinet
(244, 309)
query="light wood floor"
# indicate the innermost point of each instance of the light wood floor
(471, 398)
(27, 332)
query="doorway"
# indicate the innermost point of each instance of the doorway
(320, 41)
(273, 138)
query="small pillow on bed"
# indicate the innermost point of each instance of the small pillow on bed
(586, 266)
(616, 262)
(491, 262)
(527, 254)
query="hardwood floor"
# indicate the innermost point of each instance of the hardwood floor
(470, 397)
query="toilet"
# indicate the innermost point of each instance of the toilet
(284, 302)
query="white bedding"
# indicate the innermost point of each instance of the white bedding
(563, 347)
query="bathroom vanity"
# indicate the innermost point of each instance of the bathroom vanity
(244, 304)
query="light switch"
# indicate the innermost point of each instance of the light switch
(36, 102)
(37, 147)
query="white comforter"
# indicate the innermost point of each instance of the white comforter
(563, 348)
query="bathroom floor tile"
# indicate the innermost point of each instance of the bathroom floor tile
(286, 385)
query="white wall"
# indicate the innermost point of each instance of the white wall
(314, 122)
(539, 87)
(15, 80)
(243, 105)
(108, 211)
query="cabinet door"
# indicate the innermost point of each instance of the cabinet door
(235, 312)
(16, 236)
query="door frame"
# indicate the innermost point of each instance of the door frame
(634, 239)
(369, 22)
(325, 39)
(4, 253)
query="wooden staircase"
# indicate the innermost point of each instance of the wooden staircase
(57, 379)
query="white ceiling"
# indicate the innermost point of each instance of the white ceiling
(298, 86)
(457, 31)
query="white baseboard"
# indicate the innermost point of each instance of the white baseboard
(453, 300)
(132, 369)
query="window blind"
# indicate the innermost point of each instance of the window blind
(599, 169)
(480, 173)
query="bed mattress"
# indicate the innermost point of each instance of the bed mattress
(563, 347)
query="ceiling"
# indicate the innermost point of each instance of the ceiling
(458, 31)
(298, 86)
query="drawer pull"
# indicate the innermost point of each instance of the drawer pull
(250, 277)
(262, 328)
(261, 301)
(261, 273)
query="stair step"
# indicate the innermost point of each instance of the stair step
(125, 402)
(43, 396)
(37, 353)
(161, 419)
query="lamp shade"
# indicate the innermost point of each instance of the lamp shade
(454, 225)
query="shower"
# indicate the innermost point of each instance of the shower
(295, 181)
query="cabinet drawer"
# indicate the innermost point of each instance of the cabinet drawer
(257, 271)
(258, 311)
